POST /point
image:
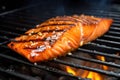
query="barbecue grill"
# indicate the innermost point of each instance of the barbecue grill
(15, 22)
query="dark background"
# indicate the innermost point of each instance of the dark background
(6, 5)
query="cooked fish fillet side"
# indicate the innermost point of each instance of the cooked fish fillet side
(58, 36)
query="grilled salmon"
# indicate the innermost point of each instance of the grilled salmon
(58, 36)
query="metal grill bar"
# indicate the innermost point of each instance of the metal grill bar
(23, 21)
(99, 53)
(115, 28)
(116, 21)
(115, 16)
(107, 41)
(114, 37)
(27, 17)
(6, 38)
(17, 23)
(104, 46)
(12, 28)
(111, 13)
(113, 32)
(115, 24)
(10, 33)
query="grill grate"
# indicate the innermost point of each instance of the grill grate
(17, 22)
(32, 65)
(22, 76)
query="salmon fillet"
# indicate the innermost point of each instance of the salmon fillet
(58, 36)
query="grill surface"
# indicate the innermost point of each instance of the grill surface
(16, 22)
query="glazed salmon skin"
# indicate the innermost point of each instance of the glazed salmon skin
(58, 36)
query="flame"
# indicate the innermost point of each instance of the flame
(102, 58)
(70, 70)
(94, 76)
(89, 74)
